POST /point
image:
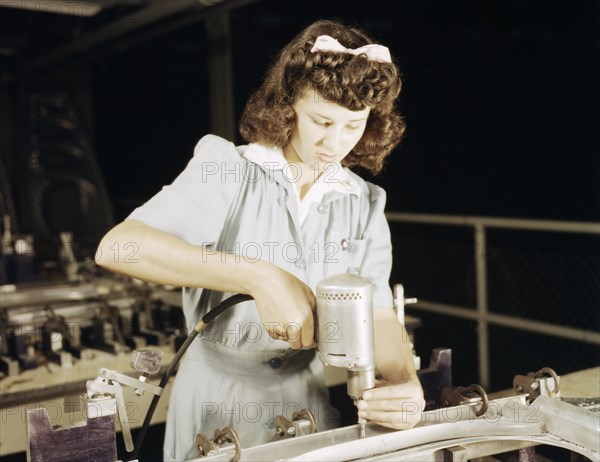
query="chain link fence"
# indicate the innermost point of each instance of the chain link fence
(508, 296)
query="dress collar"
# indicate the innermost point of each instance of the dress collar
(334, 178)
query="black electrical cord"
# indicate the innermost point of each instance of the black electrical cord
(206, 319)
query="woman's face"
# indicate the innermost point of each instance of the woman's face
(325, 132)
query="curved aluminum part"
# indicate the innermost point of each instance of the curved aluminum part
(507, 420)
(426, 452)
(568, 422)
(379, 441)
(292, 447)
(368, 447)
(555, 422)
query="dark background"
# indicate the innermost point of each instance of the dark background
(500, 100)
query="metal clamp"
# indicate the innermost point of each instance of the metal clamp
(302, 423)
(472, 394)
(115, 376)
(400, 302)
(109, 383)
(224, 438)
(104, 387)
(537, 383)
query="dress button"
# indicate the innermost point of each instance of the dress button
(300, 264)
(275, 363)
(352, 248)
(323, 208)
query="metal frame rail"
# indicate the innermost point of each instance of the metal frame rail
(482, 314)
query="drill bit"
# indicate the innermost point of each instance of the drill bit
(363, 426)
(362, 422)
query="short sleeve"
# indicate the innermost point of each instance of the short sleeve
(377, 263)
(194, 207)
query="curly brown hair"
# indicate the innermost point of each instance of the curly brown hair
(352, 81)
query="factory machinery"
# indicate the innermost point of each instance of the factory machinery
(55, 334)
(462, 423)
(63, 323)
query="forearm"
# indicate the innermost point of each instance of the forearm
(166, 259)
(393, 351)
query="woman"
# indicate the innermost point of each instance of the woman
(271, 219)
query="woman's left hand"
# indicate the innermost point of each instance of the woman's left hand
(395, 405)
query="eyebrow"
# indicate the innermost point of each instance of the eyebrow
(329, 118)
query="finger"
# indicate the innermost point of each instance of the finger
(391, 410)
(312, 300)
(291, 331)
(272, 330)
(310, 297)
(291, 335)
(382, 405)
(275, 331)
(308, 334)
(401, 391)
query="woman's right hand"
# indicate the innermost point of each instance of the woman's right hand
(286, 306)
(285, 303)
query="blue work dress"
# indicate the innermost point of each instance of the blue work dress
(242, 200)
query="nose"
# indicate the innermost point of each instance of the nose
(333, 140)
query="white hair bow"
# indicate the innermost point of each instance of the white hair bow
(373, 52)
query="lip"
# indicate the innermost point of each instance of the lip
(326, 157)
